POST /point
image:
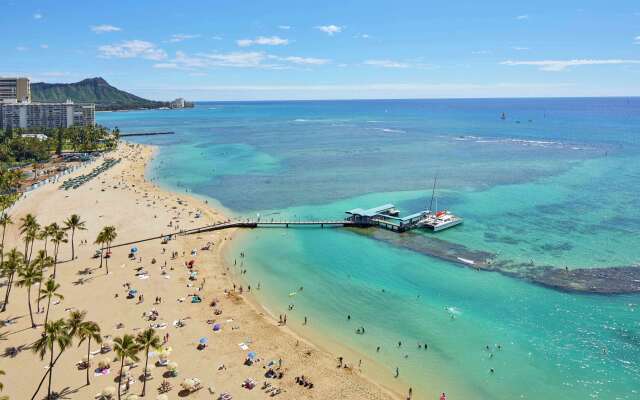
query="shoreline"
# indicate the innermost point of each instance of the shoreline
(327, 346)
(139, 208)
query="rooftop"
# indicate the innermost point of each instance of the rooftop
(371, 211)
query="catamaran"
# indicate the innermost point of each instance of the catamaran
(440, 219)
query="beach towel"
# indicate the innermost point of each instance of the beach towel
(243, 346)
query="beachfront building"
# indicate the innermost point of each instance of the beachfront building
(177, 103)
(15, 89)
(46, 115)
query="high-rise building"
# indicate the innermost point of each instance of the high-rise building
(15, 90)
(46, 115)
(17, 110)
(177, 103)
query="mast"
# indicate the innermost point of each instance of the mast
(433, 192)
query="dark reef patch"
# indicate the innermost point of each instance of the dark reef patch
(613, 280)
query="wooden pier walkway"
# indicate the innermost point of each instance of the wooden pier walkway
(146, 134)
(251, 224)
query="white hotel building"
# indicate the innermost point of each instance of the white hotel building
(17, 110)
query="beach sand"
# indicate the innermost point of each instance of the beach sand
(138, 209)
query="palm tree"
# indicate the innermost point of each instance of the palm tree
(5, 220)
(125, 347)
(106, 236)
(10, 266)
(29, 228)
(74, 223)
(29, 276)
(147, 339)
(89, 330)
(101, 241)
(41, 262)
(48, 232)
(60, 236)
(55, 333)
(50, 290)
(2, 388)
(76, 318)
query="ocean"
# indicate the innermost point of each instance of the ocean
(553, 186)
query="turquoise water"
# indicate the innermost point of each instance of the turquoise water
(556, 183)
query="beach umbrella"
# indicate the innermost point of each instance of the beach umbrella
(192, 262)
(109, 391)
(217, 327)
(203, 340)
(188, 384)
(172, 366)
(252, 355)
(104, 364)
(134, 249)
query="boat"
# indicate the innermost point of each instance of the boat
(440, 220)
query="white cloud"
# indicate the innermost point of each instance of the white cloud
(265, 41)
(180, 37)
(636, 40)
(238, 59)
(216, 37)
(133, 49)
(306, 60)
(105, 28)
(22, 48)
(481, 52)
(44, 46)
(561, 65)
(387, 63)
(166, 66)
(329, 29)
(38, 16)
(519, 48)
(284, 27)
(522, 17)
(363, 36)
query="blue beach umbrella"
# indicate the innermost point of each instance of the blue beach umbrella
(204, 340)
(217, 327)
(134, 249)
(251, 355)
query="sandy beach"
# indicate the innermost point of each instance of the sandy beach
(139, 209)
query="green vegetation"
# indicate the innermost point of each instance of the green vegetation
(92, 90)
(16, 147)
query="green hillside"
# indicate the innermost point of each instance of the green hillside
(92, 90)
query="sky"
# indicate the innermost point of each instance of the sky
(328, 49)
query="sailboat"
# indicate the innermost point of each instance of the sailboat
(439, 220)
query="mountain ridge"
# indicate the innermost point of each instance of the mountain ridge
(92, 90)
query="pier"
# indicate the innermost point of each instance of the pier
(384, 217)
(146, 134)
